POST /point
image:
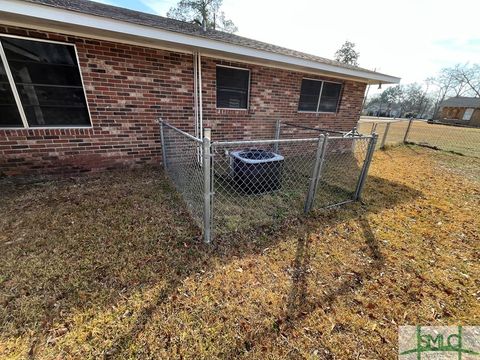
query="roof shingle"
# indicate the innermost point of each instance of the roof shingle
(461, 101)
(140, 18)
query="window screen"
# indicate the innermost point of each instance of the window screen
(309, 95)
(9, 115)
(319, 96)
(330, 96)
(47, 79)
(232, 88)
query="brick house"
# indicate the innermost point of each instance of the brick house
(82, 85)
(460, 110)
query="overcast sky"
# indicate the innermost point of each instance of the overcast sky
(412, 39)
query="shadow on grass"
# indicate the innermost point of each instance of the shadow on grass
(87, 244)
(299, 305)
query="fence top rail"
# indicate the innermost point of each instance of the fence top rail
(314, 129)
(251, 142)
(374, 121)
(356, 137)
(181, 131)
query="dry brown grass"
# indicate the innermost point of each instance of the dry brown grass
(457, 139)
(113, 267)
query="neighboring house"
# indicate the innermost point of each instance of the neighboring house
(82, 85)
(383, 110)
(460, 110)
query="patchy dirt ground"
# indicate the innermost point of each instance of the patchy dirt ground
(112, 267)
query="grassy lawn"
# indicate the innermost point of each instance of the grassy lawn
(451, 138)
(113, 266)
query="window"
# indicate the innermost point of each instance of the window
(319, 96)
(309, 95)
(9, 115)
(232, 87)
(467, 115)
(330, 96)
(45, 79)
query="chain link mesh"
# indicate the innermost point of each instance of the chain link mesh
(184, 167)
(259, 182)
(253, 193)
(460, 139)
(389, 132)
(342, 167)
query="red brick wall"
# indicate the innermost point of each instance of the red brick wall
(129, 87)
(452, 113)
(274, 94)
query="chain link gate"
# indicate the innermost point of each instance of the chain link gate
(231, 186)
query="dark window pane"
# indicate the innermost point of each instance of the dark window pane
(330, 97)
(3, 73)
(6, 95)
(232, 88)
(32, 73)
(38, 51)
(9, 115)
(39, 116)
(309, 95)
(53, 96)
(48, 82)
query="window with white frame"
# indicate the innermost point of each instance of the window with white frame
(232, 87)
(40, 85)
(319, 96)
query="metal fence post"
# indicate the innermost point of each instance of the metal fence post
(207, 190)
(277, 136)
(164, 148)
(316, 172)
(366, 166)
(408, 130)
(374, 128)
(385, 134)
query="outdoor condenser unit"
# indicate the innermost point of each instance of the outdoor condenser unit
(256, 171)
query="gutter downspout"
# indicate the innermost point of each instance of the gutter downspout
(195, 94)
(200, 96)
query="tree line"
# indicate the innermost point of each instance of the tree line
(424, 100)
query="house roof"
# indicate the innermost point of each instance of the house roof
(461, 101)
(105, 11)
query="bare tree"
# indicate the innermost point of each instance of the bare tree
(459, 85)
(458, 80)
(469, 77)
(205, 13)
(444, 84)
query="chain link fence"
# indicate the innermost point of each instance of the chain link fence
(460, 139)
(232, 186)
(345, 159)
(390, 132)
(182, 154)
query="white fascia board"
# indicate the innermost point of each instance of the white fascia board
(70, 18)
